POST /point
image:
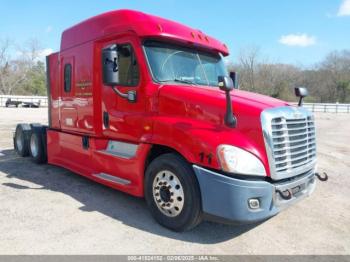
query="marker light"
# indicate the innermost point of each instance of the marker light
(160, 27)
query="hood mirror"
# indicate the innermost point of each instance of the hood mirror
(301, 92)
(226, 84)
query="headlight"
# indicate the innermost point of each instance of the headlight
(237, 160)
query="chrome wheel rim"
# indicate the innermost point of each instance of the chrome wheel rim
(34, 146)
(168, 193)
(19, 142)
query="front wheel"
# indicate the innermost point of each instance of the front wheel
(172, 193)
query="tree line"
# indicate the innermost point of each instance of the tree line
(327, 81)
(22, 69)
(22, 72)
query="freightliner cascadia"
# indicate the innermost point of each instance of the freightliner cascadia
(146, 106)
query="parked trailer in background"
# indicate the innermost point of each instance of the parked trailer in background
(23, 99)
(144, 105)
(10, 103)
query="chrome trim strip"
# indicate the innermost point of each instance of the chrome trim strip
(120, 149)
(113, 179)
(112, 154)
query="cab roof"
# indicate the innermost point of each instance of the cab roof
(144, 25)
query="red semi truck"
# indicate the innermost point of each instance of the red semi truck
(146, 106)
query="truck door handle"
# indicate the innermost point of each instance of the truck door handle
(130, 95)
(85, 142)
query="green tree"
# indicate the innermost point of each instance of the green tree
(35, 83)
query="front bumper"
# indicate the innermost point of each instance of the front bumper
(226, 198)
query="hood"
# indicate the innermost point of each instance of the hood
(255, 100)
(209, 103)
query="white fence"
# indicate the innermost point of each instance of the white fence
(314, 107)
(32, 99)
(328, 108)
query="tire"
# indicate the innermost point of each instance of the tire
(172, 193)
(21, 139)
(37, 145)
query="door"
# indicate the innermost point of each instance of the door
(124, 119)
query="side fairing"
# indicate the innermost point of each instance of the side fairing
(52, 81)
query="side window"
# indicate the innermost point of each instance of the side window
(67, 78)
(129, 74)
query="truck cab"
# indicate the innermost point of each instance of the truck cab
(135, 103)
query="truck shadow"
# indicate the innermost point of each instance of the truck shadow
(129, 210)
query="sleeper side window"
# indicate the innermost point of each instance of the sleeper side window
(67, 78)
(128, 68)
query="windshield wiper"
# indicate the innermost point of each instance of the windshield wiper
(184, 81)
(179, 80)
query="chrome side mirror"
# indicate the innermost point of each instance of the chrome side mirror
(110, 65)
(234, 77)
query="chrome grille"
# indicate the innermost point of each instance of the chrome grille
(289, 134)
(293, 142)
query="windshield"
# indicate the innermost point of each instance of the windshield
(171, 63)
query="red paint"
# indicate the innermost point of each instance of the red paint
(187, 119)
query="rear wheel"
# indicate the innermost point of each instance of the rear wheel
(172, 193)
(21, 139)
(37, 146)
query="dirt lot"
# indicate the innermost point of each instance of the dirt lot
(49, 210)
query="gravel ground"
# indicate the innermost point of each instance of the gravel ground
(49, 210)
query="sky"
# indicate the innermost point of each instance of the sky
(300, 32)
